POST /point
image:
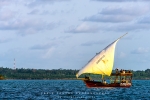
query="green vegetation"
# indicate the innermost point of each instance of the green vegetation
(22, 73)
(37, 73)
(141, 74)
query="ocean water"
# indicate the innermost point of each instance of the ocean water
(70, 90)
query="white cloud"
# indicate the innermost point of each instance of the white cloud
(5, 2)
(123, 10)
(43, 46)
(140, 51)
(34, 3)
(27, 31)
(144, 20)
(4, 40)
(90, 43)
(121, 0)
(22, 24)
(35, 11)
(45, 12)
(126, 27)
(7, 14)
(109, 18)
(27, 26)
(117, 14)
(83, 28)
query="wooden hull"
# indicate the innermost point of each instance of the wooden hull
(90, 83)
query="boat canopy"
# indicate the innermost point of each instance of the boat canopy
(102, 63)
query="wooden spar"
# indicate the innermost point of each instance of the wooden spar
(123, 36)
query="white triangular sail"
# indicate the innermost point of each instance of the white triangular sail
(102, 63)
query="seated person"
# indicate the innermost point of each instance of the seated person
(129, 71)
(104, 82)
(117, 71)
(121, 71)
(87, 77)
(123, 80)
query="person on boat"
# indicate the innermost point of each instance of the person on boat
(129, 71)
(124, 72)
(104, 82)
(123, 80)
(121, 71)
(87, 77)
(127, 80)
(117, 71)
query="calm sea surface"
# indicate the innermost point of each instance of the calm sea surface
(70, 89)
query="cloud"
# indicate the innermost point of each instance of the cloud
(21, 24)
(43, 46)
(64, 37)
(6, 14)
(128, 27)
(140, 51)
(109, 18)
(27, 26)
(35, 11)
(90, 43)
(83, 28)
(45, 12)
(5, 2)
(130, 10)
(27, 31)
(47, 49)
(34, 3)
(4, 40)
(118, 14)
(120, 0)
(144, 20)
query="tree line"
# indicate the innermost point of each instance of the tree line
(21, 73)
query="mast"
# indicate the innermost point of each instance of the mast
(123, 35)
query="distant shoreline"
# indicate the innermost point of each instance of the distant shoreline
(59, 74)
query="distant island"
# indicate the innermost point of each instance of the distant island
(47, 74)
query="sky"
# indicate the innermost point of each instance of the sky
(53, 34)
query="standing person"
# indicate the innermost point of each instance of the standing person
(117, 71)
